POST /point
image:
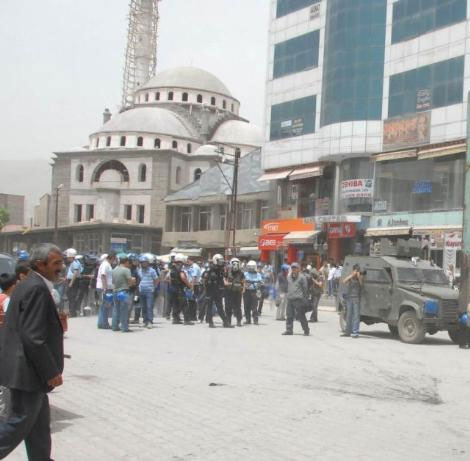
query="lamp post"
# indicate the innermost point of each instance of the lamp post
(56, 217)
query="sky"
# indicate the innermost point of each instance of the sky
(63, 64)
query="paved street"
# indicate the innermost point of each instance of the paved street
(191, 393)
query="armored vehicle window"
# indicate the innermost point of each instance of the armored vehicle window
(376, 276)
(409, 275)
(436, 277)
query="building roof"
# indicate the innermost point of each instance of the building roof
(188, 78)
(212, 182)
(149, 120)
(206, 149)
(238, 132)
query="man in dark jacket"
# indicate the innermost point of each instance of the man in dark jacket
(31, 356)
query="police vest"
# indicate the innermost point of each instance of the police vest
(235, 280)
(175, 280)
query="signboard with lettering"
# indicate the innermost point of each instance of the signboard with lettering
(380, 205)
(315, 11)
(292, 127)
(423, 99)
(322, 206)
(422, 187)
(407, 131)
(453, 241)
(270, 242)
(284, 226)
(356, 188)
(341, 230)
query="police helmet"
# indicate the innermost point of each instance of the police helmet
(251, 266)
(218, 260)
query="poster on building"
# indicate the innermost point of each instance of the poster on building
(315, 11)
(356, 188)
(292, 127)
(452, 243)
(407, 131)
(341, 230)
(423, 99)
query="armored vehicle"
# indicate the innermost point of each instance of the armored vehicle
(412, 296)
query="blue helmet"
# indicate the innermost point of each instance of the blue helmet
(285, 267)
(132, 257)
(23, 255)
(464, 319)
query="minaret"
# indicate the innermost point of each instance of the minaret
(141, 53)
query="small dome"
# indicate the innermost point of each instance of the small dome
(239, 133)
(207, 149)
(188, 78)
(148, 120)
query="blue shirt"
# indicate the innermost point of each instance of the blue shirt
(74, 266)
(195, 272)
(251, 278)
(147, 279)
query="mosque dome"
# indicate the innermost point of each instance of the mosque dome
(238, 132)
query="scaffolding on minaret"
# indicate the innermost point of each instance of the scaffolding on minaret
(141, 53)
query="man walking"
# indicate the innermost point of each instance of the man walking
(297, 297)
(179, 283)
(104, 288)
(31, 356)
(73, 274)
(317, 290)
(122, 281)
(353, 311)
(148, 282)
(282, 292)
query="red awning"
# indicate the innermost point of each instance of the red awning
(270, 242)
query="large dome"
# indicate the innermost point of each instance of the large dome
(188, 78)
(239, 133)
(148, 120)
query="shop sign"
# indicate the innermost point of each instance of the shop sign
(322, 206)
(341, 230)
(380, 205)
(453, 241)
(320, 220)
(407, 131)
(423, 99)
(284, 226)
(422, 187)
(314, 11)
(356, 188)
(292, 127)
(270, 242)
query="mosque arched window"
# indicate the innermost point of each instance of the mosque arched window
(123, 141)
(184, 98)
(115, 165)
(80, 173)
(97, 142)
(178, 175)
(174, 144)
(199, 98)
(157, 143)
(170, 96)
(146, 97)
(212, 101)
(142, 173)
(232, 108)
(224, 104)
(157, 96)
(197, 174)
(189, 148)
(108, 141)
(140, 141)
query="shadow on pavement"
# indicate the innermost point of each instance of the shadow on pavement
(61, 419)
(428, 341)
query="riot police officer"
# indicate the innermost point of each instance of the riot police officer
(214, 285)
(178, 283)
(234, 287)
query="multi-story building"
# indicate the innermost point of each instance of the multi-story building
(14, 205)
(366, 116)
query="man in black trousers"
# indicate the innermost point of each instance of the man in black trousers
(31, 356)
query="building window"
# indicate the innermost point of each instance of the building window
(295, 55)
(157, 143)
(185, 219)
(289, 6)
(264, 211)
(140, 141)
(178, 175)
(108, 141)
(197, 174)
(97, 142)
(224, 104)
(184, 98)
(212, 101)
(90, 212)
(353, 65)
(170, 96)
(222, 217)
(146, 97)
(293, 118)
(142, 173)
(128, 212)
(157, 96)
(123, 141)
(141, 214)
(78, 213)
(174, 144)
(410, 185)
(199, 98)
(189, 148)
(80, 173)
(412, 18)
(440, 83)
(232, 107)
(205, 218)
(245, 216)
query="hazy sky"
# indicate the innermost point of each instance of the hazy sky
(62, 64)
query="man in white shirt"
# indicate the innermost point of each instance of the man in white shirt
(104, 288)
(331, 281)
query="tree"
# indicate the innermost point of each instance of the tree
(4, 217)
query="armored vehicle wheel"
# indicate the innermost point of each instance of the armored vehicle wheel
(410, 328)
(4, 403)
(454, 335)
(393, 331)
(342, 319)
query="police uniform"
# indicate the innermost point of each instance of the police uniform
(233, 295)
(178, 297)
(252, 295)
(214, 285)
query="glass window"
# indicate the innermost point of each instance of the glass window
(205, 218)
(222, 217)
(427, 87)
(108, 141)
(178, 175)
(199, 98)
(356, 185)
(140, 141)
(353, 61)
(419, 185)
(80, 173)
(128, 212)
(293, 118)
(289, 6)
(90, 212)
(296, 55)
(185, 219)
(141, 214)
(412, 18)
(142, 173)
(123, 141)
(197, 174)
(157, 143)
(376, 276)
(184, 97)
(264, 212)
(245, 216)
(78, 213)
(170, 96)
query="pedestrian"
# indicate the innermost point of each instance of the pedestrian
(213, 279)
(268, 281)
(324, 271)
(31, 356)
(178, 283)
(336, 278)
(282, 292)
(22, 270)
(252, 295)
(134, 289)
(353, 312)
(74, 270)
(196, 273)
(104, 288)
(234, 288)
(148, 283)
(297, 299)
(331, 280)
(122, 281)
(317, 290)
(7, 285)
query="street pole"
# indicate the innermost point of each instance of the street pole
(465, 266)
(234, 200)
(56, 217)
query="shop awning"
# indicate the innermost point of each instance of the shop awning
(442, 151)
(301, 236)
(387, 231)
(306, 172)
(395, 155)
(188, 251)
(277, 174)
(248, 251)
(428, 230)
